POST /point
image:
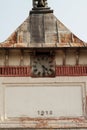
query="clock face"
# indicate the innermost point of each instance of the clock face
(43, 66)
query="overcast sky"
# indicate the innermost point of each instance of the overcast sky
(73, 13)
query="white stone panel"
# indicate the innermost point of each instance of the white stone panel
(83, 57)
(14, 57)
(26, 59)
(71, 58)
(59, 58)
(43, 101)
(2, 58)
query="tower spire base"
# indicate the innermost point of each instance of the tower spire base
(41, 10)
(40, 6)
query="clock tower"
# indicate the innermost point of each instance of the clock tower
(43, 60)
(43, 75)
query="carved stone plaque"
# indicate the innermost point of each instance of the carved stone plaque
(43, 101)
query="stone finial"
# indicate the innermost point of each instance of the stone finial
(39, 3)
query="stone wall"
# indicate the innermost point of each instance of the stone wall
(62, 57)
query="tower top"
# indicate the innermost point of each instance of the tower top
(40, 6)
(39, 3)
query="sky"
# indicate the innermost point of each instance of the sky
(72, 13)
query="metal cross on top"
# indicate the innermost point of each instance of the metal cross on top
(39, 3)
